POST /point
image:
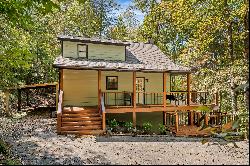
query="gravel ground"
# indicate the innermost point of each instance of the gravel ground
(33, 140)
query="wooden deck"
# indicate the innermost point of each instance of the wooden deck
(146, 108)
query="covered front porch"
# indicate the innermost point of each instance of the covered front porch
(136, 92)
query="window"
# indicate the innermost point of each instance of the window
(111, 83)
(82, 50)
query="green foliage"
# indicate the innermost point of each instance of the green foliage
(3, 148)
(129, 126)
(210, 37)
(162, 129)
(236, 124)
(147, 127)
(203, 108)
(125, 27)
(113, 125)
(12, 162)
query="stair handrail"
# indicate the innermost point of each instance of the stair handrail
(102, 104)
(59, 110)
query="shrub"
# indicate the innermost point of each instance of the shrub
(147, 127)
(3, 148)
(162, 129)
(113, 125)
(128, 126)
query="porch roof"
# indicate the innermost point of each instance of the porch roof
(139, 57)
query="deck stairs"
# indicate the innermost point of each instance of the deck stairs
(81, 121)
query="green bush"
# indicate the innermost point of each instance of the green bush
(147, 127)
(128, 126)
(162, 129)
(12, 162)
(113, 125)
(3, 148)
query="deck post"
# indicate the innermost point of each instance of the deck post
(188, 88)
(164, 96)
(206, 119)
(164, 89)
(190, 114)
(176, 122)
(99, 90)
(59, 114)
(57, 96)
(134, 98)
(198, 118)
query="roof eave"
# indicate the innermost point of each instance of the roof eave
(89, 41)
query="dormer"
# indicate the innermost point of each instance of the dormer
(90, 48)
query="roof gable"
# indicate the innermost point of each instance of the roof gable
(139, 57)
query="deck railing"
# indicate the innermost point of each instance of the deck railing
(149, 98)
(117, 98)
(125, 98)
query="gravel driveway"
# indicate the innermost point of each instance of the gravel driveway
(33, 140)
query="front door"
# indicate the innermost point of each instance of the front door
(140, 88)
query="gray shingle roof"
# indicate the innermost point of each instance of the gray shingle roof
(139, 56)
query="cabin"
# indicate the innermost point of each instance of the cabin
(102, 79)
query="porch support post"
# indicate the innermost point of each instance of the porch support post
(188, 88)
(190, 114)
(176, 122)
(99, 90)
(206, 119)
(134, 98)
(164, 96)
(164, 89)
(57, 96)
(59, 114)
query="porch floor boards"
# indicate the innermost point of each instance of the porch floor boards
(146, 108)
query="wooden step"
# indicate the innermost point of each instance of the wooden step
(79, 112)
(81, 123)
(84, 132)
(81, 119)
(81, 128)
(81, 115)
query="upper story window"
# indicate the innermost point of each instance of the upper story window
(82, 50)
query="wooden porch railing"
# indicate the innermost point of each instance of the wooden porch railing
(213, 119)
(149, 98)
(117, 98)
(125, 98)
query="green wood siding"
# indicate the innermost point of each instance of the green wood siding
(80, 86)
(95, 51)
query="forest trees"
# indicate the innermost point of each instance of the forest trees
(211, 37)
(208, 36)
(29, 32)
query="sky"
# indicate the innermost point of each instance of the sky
(125, 3)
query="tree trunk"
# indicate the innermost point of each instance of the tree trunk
(233, 97)
(246, 52)
(230, 52)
